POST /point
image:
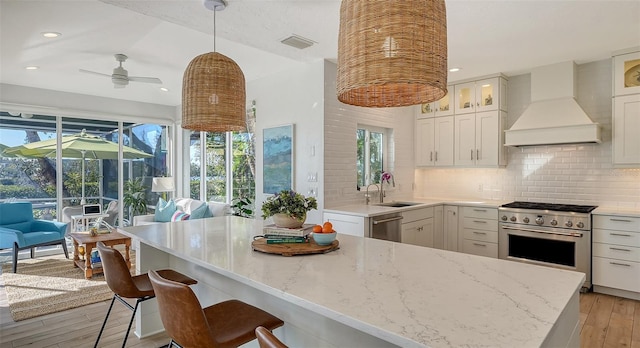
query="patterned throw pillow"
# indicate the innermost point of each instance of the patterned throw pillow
(164, 210)
(179, 216)
(200, 212)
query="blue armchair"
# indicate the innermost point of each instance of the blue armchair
(19, 230)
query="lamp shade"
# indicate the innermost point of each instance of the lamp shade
(162, 184)
(213, 94)
(392, 53)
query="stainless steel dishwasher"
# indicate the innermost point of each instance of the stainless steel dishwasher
(385, 227)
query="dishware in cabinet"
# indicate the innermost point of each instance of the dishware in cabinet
(482, 95)
(438, 108)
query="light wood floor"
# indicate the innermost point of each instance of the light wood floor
(606, 321)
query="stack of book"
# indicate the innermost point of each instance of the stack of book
(277, 235)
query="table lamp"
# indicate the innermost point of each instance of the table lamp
(162, 184)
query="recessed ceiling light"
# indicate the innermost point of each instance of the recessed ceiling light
(32, 67)
(454, 69)
(51, 34)
(164, 89)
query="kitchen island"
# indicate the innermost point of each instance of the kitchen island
(369, 292)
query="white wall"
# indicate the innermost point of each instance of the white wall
(340, 126)
(293, 97)
(574, 174)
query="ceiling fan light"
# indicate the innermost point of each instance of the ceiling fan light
(213, 94)
(392, 53)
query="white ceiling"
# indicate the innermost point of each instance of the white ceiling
(162, 36)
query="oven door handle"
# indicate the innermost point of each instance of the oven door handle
(572, 234)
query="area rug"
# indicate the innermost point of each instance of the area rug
(50, 284)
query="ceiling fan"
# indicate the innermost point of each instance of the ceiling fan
(120, 76)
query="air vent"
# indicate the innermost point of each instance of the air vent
(298, 42)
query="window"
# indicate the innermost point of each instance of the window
(372, 148)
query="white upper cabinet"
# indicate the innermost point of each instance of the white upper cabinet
(481, 95)
(434, 142)
(442, 107)
(626, 130)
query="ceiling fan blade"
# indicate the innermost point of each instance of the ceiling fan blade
(145, 79)
(94, 73)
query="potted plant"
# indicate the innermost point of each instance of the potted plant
(288, 208)
(134, 197)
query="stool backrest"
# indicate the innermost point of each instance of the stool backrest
(266, 339)
(117, 274)
(181, 313)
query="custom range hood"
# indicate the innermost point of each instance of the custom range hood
(554, 116)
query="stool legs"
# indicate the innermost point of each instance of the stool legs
(133, 316)
(105, 321)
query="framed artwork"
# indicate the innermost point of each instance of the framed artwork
(277, 165)
(626, 73)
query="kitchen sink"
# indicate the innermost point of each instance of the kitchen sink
(397, 204)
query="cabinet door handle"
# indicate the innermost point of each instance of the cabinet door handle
(480, 244)
(484, 210)
(620, 234)
(431, 156)
(436, 156)
(619, 249)
(620, 220)
(479, 221)
(620, 264)
(472, 154)
(476, 232)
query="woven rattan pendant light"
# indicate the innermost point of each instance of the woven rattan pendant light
(392, 52)
(213, 90)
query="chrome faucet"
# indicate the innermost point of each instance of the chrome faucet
(367, 198)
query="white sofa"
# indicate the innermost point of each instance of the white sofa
(186, 205)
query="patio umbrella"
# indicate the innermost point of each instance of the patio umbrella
(81, 145)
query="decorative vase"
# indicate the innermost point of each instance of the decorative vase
(286, 221)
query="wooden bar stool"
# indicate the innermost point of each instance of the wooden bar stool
(225, 324)
(124, 285)
(266, 339)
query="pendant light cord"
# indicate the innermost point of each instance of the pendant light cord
(214, 30)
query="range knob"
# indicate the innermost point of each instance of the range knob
(539, 220)
(554, 222)
(504, 218)
(568, 223)
(580, 224)
(513, 218)
(525, 220)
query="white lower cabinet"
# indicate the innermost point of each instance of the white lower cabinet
(348, 224)
(417, 227)
(450, 228)
(478, 231)
(616, 255)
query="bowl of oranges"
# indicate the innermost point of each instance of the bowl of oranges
(324, 234)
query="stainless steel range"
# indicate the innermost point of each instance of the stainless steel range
(556, 235)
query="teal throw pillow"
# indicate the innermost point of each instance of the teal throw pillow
(164, 210)
(200, 212)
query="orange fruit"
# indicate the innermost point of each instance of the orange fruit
(317, 228)
(327, 227)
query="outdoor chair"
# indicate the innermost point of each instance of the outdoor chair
(225, 324)
(19, 230)
(124, 285)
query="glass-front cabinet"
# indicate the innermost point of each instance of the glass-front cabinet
(478, 96)
(438, 108)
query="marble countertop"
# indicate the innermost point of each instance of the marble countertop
(369, 210)
(407, 295)
(621, 211)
